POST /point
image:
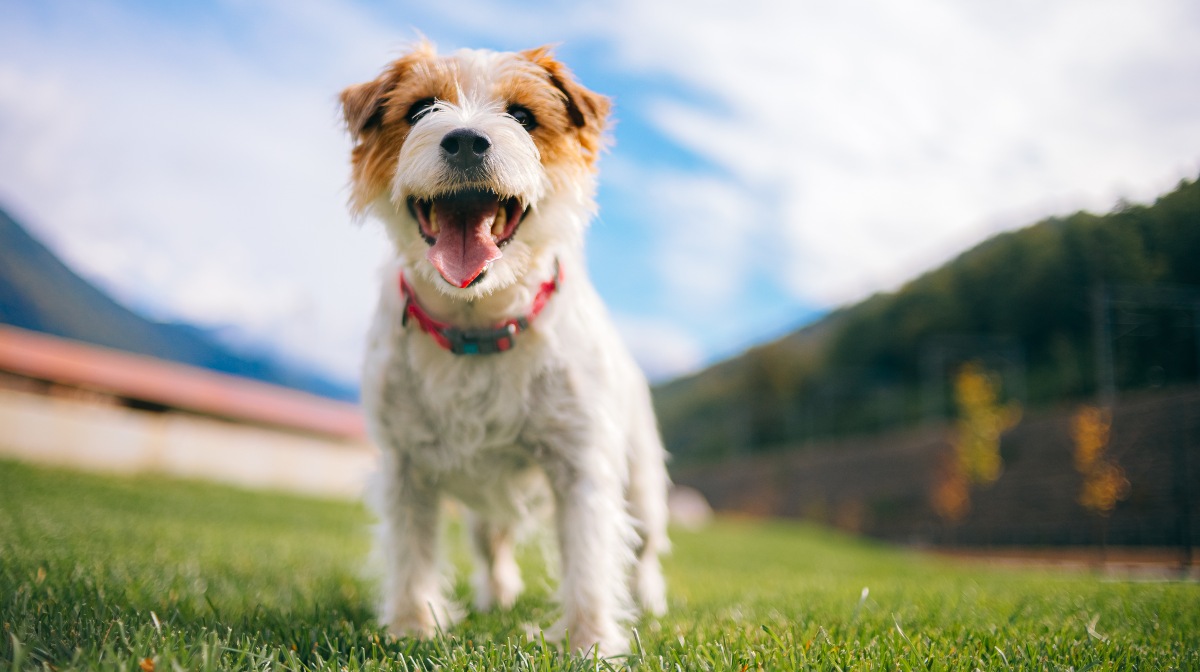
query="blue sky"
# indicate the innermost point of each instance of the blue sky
(770, 162)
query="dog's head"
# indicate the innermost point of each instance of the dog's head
(477, 162)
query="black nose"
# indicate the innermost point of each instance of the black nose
(465, 147)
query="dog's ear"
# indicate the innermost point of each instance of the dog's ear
(362, 104)
(587, 110)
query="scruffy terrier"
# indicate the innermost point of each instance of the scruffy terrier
(493, 373)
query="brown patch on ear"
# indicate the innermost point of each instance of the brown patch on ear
(374, 113)
(362, 104)
(587, 110)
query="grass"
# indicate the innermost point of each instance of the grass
(150, 574)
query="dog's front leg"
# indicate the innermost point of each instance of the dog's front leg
(497, 577)
(414, 602)
(595, 536)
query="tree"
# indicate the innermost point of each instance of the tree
(982, 419)
(1104, 482)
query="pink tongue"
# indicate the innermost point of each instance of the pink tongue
(464, 246)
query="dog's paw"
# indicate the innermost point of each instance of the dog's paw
(423, 623)
(499, 587)
(587, 638)
(651, 589)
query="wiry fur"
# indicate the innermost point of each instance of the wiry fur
(561, 422)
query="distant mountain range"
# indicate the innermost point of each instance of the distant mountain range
(1022, 303)
(40, 293)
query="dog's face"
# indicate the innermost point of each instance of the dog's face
(476, 161)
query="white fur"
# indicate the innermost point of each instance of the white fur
(562, 422)
(514, 161)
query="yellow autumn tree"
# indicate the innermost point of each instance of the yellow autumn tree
(951, 496)
(1104, 482)
(975, 460)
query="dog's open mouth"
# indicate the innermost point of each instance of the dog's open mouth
(465, 231)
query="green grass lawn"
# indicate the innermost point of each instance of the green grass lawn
(135, 574)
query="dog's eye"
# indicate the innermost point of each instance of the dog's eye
(419, 109)
(523, 116)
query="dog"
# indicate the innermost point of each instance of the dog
(493, 373)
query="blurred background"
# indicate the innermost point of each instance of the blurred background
(925, 272)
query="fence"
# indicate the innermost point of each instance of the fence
(881, 485)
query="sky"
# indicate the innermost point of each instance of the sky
(771, 161)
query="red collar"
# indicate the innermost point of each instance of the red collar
(482, 340)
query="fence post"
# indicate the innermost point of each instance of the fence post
(1184, 433)
(1106, 386)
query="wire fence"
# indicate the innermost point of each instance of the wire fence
(882, 485)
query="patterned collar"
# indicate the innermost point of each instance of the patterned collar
(481, 340)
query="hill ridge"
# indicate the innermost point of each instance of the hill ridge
(866, 367)
(39, 292)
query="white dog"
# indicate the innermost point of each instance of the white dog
(493, 372)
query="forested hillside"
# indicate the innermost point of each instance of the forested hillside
(1023, 303)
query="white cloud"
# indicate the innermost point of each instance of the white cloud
(892, 135)
(194, 176)
(706, 228)
(662, 349)
(851, 143)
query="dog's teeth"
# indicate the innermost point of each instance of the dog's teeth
(433, 223)
(500, 222)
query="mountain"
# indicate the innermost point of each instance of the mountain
(1023, 303)
(40, 293)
